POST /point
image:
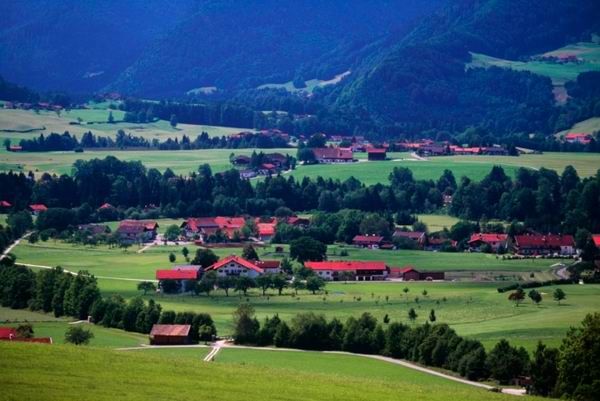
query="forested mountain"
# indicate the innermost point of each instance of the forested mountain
(422, 81)
(158, 48)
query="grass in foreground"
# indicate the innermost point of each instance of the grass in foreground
(68, 372)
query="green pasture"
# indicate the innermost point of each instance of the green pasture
(473, 308)
(176, 353)
(437, 222)
(67, 372)
(590, 125)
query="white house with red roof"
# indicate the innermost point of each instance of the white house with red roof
(235, 266)
(495, 241)
(360, 270)
(548, 244)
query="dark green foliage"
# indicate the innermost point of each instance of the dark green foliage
(249, 253)
(204, 257)
(77, 335)
(17, 286)
(506, 362)
(246, 326)
(306, 248)
(544, 370)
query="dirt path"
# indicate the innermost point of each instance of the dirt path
(216, 348)
(12, 246)
(415, 156)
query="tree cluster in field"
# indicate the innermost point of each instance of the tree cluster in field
(66, 141)
(570, 372)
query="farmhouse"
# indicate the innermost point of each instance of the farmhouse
(131, 231)
(37, 208)
(230, 225)
(368, 241)
(93, 230)
(432, 150)
(437, 244)
(170, 334)
(495, 241)
(106, 206)
(409, 273)
(582, 138)
(236, 266)
(539, 244)
(333, 155)
(374, 154)
(241, 160)
(349, 270)
(417, 237)
(10, 334)
(201, 228)
(296, 221)
(266, 231)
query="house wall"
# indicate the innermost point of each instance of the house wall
(235, 269)
(169, 340)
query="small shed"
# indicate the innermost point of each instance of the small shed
(170, 334)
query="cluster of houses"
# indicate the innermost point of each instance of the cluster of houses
(272, 163)
(33, 106)
(525, 244)
(427, 147)
(236, 266)
(268, 133)
(578, 137)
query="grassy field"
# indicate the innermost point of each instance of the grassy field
(437, 222)
(590, 125)
(20, 124)
(67, 372)
(473, 308)
(588, 52)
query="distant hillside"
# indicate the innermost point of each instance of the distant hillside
(421, 82)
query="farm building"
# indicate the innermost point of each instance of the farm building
(106, 206)
(170, 334)
(202, 227)
(495, 241)
(10, 334)
(93, 229)
(240, 160)
(235, 266)
(437, 244)
(539, 244)
(432, 150)
(131, 231)
(269, 266)
(582, 138)
(596, 239)
(356, 270)
(37, 208)
(368, 241)
(266, 231)
(180, 276)
(296, 221)
(418, 237)
(374, 154)
(333, 155)
(409, 273)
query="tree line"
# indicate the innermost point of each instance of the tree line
(66, 142)
(569, 372)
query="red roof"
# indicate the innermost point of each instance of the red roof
(371, 239)
(179, 274)
(596, 239)
(230, 222)
(346, 265)
(5, 204)
(196, 224)
(487, 238)
(171, 330)
(403, 270)
(266, 229)
(7, 332)
(38, 207)
(333, 153)
(268, 166)
(236, 259)
(106, 206)
(137, 225)
(544, 241)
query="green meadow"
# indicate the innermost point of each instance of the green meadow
(468, 302)
(141, 375)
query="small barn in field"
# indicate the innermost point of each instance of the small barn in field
(374, 154)
(170, 334)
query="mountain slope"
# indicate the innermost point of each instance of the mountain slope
(421, 81)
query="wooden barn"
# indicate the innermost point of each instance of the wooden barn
(170, 334)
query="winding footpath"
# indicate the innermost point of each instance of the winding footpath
(12, 246)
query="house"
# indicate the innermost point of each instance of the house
(267, 169)
(539, 244)
(418, 237)
(240, 160)
(409, 273)
(15, 148)
(266, 231)
(432, 150)
(278, 159)
(131, 231)
(170, 334)
(106, 206)
(247, 174)
(37, 208)
(437, 244)
(494, 151)
(333, 155)
(495, 241)
(374, 154)
(582, 138)
(93, 229)
(296, 221)
(356, 270)
(5, 205)
(269, 266)
(199, 228)
(230, 225)
(235, 266)
(368, 241)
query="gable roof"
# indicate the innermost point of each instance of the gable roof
(333, 153)
(5, 204)
(403, 270)
(236, 259)
(544, 241)
(106, 206)
(346, 265)
(38, 207)
(267, 264)
(179, 274)
(376, 150)
(230, 222)
(198, 223)
(133, 226)
(596, 239)
(488, 237)
(171, 330)
(371, 239)
(266, 228)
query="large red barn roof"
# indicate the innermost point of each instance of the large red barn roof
(184, 274)
(488, 237)
(171, 330)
